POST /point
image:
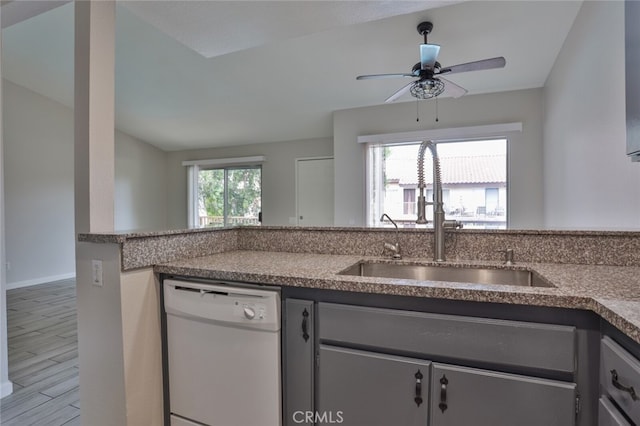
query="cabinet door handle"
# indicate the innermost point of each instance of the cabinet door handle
(443, 393)
(305, 325)
(618, 385)
(418, 397)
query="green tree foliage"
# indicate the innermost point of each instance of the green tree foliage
(211, 192)
(243, 187)
(244, 192)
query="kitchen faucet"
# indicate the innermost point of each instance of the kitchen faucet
(394, 248)
(439, 222)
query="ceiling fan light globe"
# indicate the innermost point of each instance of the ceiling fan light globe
(427, 89)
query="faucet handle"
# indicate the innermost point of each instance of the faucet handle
(394, 249)
(422, 217)
(508, 256)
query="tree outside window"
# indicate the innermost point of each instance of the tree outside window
(229, 196)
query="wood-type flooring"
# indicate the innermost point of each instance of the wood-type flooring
(43, 356)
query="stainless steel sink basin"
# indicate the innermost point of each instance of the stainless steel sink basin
(447, 273)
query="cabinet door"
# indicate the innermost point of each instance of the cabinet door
(469, 396)
(357, 388)
(298, 359)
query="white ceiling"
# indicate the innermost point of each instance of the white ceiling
(214, 28)
(195, 74)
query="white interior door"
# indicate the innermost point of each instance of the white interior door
(314, 191)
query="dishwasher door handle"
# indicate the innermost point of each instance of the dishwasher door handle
(203, 291)
(200, 290)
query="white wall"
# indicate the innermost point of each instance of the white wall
(589, 182)
(39, 197)
(38, 137)
(525, 149)
(278, 176)
(141, 185)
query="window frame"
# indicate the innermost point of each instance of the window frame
(193, 169)
(399, 140)
(489, 131)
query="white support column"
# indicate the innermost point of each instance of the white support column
(100, 346)
(6, 387)
(94, 115)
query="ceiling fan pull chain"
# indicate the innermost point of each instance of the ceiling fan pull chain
(417, 112)
(437, 109)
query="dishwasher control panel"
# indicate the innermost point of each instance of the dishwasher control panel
(254, 307)
(250, 311)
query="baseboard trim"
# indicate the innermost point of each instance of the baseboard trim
(6, 388)
(43, 280)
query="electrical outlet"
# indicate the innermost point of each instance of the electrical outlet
(96, 272)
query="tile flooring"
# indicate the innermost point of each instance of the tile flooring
(43, 356)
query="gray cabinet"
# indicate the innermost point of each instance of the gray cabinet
(469, 396)
(619, 380)
(369, 358)
(632, 60)
(357, 388)
(298, 359)
(359, 365)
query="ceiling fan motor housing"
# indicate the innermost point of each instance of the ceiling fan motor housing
(425, 28)
(418, 71)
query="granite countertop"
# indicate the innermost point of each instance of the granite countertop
(119, 237)
(613, 292)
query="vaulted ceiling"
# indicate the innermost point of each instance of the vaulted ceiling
(192, 74)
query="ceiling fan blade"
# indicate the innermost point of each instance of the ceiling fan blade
(404, 89)
(485, 64)
(453, 89)
(428, 55)
(374, 76)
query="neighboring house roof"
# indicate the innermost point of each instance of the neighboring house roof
(455, 170)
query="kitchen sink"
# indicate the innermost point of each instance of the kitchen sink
(519, 277)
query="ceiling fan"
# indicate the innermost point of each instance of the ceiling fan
(428, 71)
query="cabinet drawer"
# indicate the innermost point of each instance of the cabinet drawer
(510, 343)
(608, 415)
(620, 377)
(470, 396)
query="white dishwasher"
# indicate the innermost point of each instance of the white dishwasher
(223, 348)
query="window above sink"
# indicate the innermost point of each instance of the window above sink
(474, 175)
